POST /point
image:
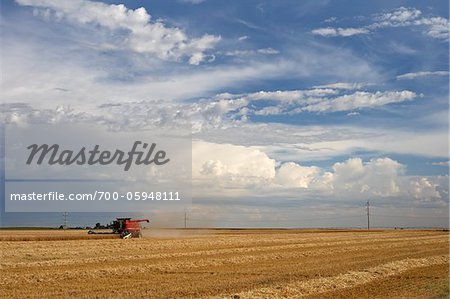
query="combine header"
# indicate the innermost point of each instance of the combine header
(125, 227)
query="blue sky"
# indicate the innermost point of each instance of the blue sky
(312, 106)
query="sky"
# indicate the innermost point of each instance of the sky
(300, 111)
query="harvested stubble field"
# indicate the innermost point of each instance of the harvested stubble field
(226, 264)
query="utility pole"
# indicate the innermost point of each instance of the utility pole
(185, 219)
(368, 215)
(65, 214)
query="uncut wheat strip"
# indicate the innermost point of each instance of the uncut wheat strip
(260, 239)
(350, 279)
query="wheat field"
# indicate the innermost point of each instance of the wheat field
(226, 264)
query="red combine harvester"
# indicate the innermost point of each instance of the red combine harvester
(125, 227)
(128, 228)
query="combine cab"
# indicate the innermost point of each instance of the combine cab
(125, 227)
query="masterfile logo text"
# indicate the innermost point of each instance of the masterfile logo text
(148, 155)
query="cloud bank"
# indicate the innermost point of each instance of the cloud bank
(247, 172)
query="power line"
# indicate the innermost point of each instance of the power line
(368, 215)
(65, 214)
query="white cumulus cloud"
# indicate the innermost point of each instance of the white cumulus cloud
(234, 170)
(294, 175)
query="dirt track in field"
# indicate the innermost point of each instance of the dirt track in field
(226, 264)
